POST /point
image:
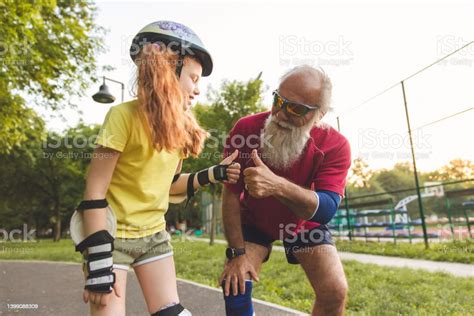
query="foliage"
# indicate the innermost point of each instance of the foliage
(44, 180)
(40, 63)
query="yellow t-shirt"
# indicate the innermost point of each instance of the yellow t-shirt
(140, 185)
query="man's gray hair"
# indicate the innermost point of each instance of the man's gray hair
(326, 89)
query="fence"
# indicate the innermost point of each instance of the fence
(394, 215)
(425, 119)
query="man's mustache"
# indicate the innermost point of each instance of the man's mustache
(282, 123)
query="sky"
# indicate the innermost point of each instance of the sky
(365, 47)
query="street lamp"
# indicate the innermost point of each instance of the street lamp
(104, 95)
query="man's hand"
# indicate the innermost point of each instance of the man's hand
(260, 181)
(235, 273)
(233, 171)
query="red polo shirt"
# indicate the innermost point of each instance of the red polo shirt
(323, 166)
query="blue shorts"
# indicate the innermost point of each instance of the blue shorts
(299, 243)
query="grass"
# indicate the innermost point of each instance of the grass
(373, 290)
(453, 251)
(43, 249)
(450, 251)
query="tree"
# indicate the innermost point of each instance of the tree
(42, 181)
(398, 178)
(234, 100)
(456, 169)
(360, 173)
(20, 201)
(47, 55)
(61, 173)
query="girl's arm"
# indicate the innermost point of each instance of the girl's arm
(99, 175)
(98, 245)
(179, 186)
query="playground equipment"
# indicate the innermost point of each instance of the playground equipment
(380, 215)
(381, 219)
(395, 220)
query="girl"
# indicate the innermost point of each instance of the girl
(137, 167)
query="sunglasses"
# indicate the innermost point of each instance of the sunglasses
(292, 108)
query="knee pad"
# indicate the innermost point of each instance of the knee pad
(174, 310)
(240, 304)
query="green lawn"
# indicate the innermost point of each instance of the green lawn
(456, 251)
(451, 251)
(374, 290)
(43, 249)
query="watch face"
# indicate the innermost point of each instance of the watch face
(229, 253)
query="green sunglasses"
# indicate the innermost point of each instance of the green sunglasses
(292, 108)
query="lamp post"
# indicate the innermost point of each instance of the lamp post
(104, 95)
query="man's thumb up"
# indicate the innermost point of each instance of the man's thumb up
(256, 159)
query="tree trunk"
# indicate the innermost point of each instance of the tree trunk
(57, 230)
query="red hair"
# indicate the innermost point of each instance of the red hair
(161, 103)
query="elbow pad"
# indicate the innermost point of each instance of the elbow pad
(327, 206)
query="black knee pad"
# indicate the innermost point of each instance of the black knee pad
(175, 310)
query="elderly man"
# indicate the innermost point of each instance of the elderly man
(294, 173)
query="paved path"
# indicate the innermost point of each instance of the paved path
(55, 288)
(457, 269)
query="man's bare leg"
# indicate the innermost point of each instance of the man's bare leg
(326, 275)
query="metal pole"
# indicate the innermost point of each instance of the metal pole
(418, 193)
(346, 202)
(119, 82)
(213, 216)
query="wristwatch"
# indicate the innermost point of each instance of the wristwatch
(234, 252)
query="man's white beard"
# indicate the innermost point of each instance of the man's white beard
(282, 147)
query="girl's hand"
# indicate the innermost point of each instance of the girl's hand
(233, 171)
(100, 298)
